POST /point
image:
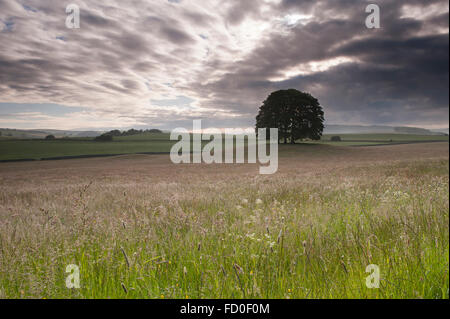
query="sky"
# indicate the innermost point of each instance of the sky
(163, 63)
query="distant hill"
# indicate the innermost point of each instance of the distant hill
(441, 130)
(378, 129)
(41, 133)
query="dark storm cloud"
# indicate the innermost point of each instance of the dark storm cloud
(394, 75)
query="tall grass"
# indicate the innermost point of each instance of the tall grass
(282, 236)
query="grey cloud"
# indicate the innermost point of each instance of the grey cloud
(239, 10)
(168, 29)
(406, 75)
(397, 74)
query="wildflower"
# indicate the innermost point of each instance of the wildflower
(258, 202)
(251, 236)
(162, 296)
(244, 201)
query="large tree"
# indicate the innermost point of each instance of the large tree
(297, 115)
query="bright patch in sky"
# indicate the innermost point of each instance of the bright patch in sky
(311, 68)
(292, 19)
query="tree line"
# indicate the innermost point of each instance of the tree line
(108, 136)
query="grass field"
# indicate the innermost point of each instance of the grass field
(38, 149)
(139, 226)
(379, 139)
(14, 149)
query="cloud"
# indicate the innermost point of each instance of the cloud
(164, 63)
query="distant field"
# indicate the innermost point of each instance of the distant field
(138, 226)
(38, 149)
(15, 149)
(379, 139)
(387, 137)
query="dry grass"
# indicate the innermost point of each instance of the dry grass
(138, 226)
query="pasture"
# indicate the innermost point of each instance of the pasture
(33, 149)
(138, 226)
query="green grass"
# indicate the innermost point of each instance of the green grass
(37, 149)
(350, 143)
(286, 237)
(388, 137)
(12, 149)
(380, 139)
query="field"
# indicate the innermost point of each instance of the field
(380, 139)
(32, 149)
(40, 149)
(138, 226)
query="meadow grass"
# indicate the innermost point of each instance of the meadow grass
(290, 235)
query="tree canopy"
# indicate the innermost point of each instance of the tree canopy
(104, 138)
(297, 115)
(132, 132)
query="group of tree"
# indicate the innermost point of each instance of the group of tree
(104, 138)
(336, 138)
(108, 136)
(131, 132)
(297, 115)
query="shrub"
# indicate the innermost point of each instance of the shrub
(50, 137)
(154, 130)
(104, 138)
(114, 133)
(336, 139)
